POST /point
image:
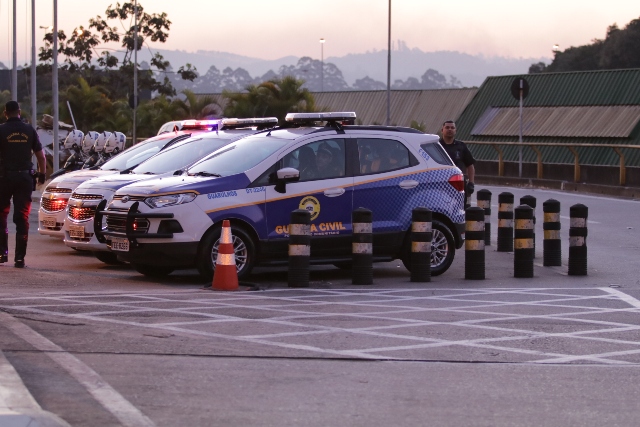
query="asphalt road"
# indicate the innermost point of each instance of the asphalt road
(101, 345)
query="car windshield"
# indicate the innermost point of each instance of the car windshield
(239, 156)
(182, 155)
(135, 155)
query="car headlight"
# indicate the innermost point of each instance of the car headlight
(170, 200)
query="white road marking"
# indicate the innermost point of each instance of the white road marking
(109, 398)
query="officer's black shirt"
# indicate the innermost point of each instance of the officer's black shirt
(459, 153)
(17, 141)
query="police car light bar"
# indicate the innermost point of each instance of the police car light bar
(255, 121)
(318, 117)
(200, 124)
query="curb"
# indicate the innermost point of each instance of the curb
(17, 407)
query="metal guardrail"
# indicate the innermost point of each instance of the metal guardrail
(535, 146)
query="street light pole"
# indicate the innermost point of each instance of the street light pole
(54, 90)
(14, 70)
(34, 104)
(389, 70)
(322, 65)
(135, 71)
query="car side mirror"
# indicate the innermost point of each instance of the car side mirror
(285, 175)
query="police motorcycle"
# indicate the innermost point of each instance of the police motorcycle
(88, 149)
(76, 160)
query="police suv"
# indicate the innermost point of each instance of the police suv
(79, 227)
(256, 182)
(53, 203)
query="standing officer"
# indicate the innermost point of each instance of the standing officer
(461, 157)
(18, 141)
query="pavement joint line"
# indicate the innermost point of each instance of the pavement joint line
(109, 398)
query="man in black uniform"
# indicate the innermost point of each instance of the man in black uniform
(461, 157)
(18, 141)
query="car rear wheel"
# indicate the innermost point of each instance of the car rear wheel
(107, 257)
(443, 249)
(244, 250)
(153, 270)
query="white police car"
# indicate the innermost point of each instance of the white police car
(256, 182)
(79, 225)
(54, 199)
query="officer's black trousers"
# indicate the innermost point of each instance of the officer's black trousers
(16, 185)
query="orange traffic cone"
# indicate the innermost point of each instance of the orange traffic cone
(225, 276)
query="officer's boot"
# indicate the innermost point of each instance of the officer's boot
(21, 250)
(4, 247)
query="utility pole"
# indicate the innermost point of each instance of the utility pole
(34, 104)
(54, 90)
(389, 70)
(135, 70)
(14, 70)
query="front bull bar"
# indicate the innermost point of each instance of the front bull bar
(130, 216)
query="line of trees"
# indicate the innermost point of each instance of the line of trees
(619, 49)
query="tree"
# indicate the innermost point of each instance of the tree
(197, 107)
(275, 97)
(81, 51)
(90, 105)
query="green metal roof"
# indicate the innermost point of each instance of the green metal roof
(569, 89)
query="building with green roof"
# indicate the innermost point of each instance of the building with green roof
(591, 107)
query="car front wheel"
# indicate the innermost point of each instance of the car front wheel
(244, 251)
(443, 249)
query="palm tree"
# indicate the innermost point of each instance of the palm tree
(90, 105)
(275, 97)
(197, 107)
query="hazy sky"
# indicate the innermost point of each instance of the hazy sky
(270, 29)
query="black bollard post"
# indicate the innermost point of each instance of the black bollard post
(421, 235)
(484, 202)
(531, 201)
(362, 247)
(474, 264)
(505, 222)
(299, 248)
(578, 240)
(551, 247)
(523, 242)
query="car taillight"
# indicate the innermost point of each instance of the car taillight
(457, 182)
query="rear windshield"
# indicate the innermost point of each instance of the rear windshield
(437, 153)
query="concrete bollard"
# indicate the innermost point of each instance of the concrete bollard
(421, 235)
(474, 259)
(299, 248)
(531, 201)
(578, 240)
(362, 247)
(505, 222)
(523, 242)
(551, 246)
(484, 202)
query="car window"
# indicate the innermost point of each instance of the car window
(239, 156)
(318, 160)
(180, 156)
(134, 155)
(381, 155)
(437, 153)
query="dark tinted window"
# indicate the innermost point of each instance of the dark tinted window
(381, 155)
(318, 160)
(437, 153)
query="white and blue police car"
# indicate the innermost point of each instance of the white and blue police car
(315, 162)
(79, 225)
(55, 197)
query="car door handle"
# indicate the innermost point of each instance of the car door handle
(334, 192)
(409, 184)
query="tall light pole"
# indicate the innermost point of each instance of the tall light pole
(389, 70)
(135, 70)
(34, 104)
(322, 65)
(14, 70)
(54, 90)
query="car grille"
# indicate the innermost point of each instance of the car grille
(81, 213)
(119, 223)
(57, 190)
(53, 205)
(131, 198)
(79, 196)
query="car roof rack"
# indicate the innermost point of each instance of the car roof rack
(334, 120)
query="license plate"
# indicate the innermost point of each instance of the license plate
(119, 244)
(76, 231)
(49, 222)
